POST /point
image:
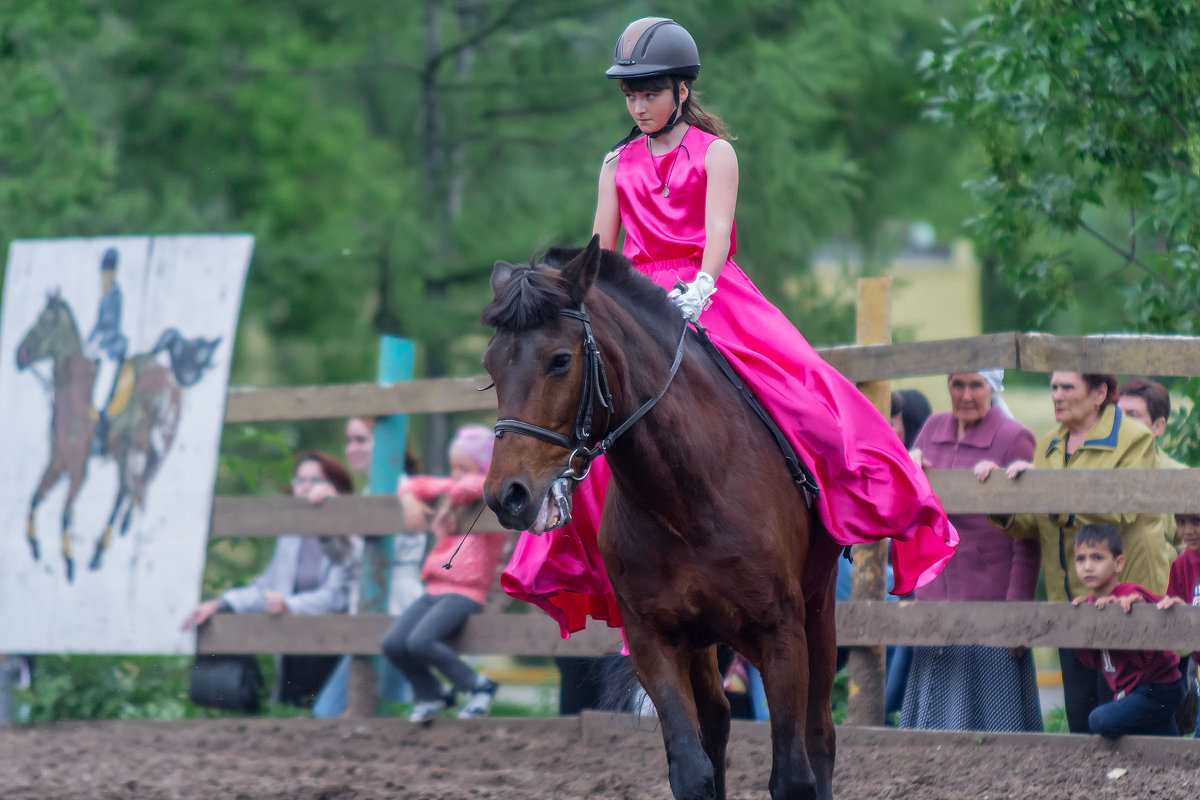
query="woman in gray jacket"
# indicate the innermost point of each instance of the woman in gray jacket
(306, 575)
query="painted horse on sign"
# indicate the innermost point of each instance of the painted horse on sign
(143, 414)
(705, 535)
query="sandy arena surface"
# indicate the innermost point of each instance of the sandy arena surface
(604, 756)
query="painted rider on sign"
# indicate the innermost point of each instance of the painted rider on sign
(106, 346)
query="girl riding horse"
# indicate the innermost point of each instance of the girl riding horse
(673, 190)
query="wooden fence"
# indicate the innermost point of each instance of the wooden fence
(859, 622)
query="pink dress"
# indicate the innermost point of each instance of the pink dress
(870, 488)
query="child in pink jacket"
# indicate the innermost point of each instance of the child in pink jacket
(418, 641)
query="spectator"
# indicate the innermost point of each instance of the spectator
(417, 642)
(1148, 403)
(1092, 434)
(1146, 684)
(1184, 586)
(404, 585)
(306, 575)
(973, 687)
(910, 409)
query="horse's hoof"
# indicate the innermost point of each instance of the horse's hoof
(70, 564)
(37, 553)
(96, 561)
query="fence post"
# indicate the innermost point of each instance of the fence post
(867, 670)
(387, 462)
(10, 678)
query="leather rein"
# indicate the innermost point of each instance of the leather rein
(595, 387)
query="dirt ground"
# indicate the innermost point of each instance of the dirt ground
(555, 759)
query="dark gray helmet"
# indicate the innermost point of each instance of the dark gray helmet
(109, 262)
(655, 46)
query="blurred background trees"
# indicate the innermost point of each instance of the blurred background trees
(1086, 110)
(384, 155)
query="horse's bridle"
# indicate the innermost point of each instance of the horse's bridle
(595, 385)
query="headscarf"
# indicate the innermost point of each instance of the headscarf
(994, 378)
(476, 443)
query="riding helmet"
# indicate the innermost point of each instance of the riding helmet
(109, 262)
(655, 46)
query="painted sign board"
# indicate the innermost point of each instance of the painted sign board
(114, 364)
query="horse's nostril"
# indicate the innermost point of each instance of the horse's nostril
(515, 499)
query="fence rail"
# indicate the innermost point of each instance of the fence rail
(1099, 491)
(1029, 352)
(859, 623)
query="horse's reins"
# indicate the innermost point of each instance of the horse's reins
(595, 384)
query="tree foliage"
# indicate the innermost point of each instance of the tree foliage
(1087, 111)
(384, 155)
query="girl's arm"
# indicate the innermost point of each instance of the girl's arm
(720, 202)
(608, 213)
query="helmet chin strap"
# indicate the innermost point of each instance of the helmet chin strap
(672, 121)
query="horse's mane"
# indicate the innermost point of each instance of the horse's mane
(536, 292)
(55, 300)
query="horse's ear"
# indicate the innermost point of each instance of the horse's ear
(501, 273)
(580, 272)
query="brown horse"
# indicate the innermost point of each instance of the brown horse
(139, 436)
(705, 536)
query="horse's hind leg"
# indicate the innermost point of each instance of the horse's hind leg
(712, 710)
(665, 672)
(821, 635)
(68, 558)
(106, 537)
(785, 673)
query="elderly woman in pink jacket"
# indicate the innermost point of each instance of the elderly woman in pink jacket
(969, 687)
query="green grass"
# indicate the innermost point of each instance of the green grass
(1055, 720)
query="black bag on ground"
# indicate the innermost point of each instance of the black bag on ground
(233, 683)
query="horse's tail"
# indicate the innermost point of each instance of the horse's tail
(620, 689)
(190, 358)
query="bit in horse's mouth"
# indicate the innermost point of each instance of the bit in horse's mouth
(556, 508)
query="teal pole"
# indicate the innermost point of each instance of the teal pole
(395, 364)
(396, 357)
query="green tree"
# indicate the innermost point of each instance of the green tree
(385, 155)
(1087, 111)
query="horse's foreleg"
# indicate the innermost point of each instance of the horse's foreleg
(75, 477)
(785, 674)
(50, 477)
(819, 735)
(665, 673)
(712, 710)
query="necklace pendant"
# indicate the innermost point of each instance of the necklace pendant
(666, 191)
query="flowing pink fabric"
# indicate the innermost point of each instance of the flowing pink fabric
(870, 488)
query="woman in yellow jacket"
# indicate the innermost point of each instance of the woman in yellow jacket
(1092, 434)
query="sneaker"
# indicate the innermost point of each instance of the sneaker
(427, 711)
(480, 701)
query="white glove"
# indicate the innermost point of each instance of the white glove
(694, 298)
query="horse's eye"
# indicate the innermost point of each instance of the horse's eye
(559, 364)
